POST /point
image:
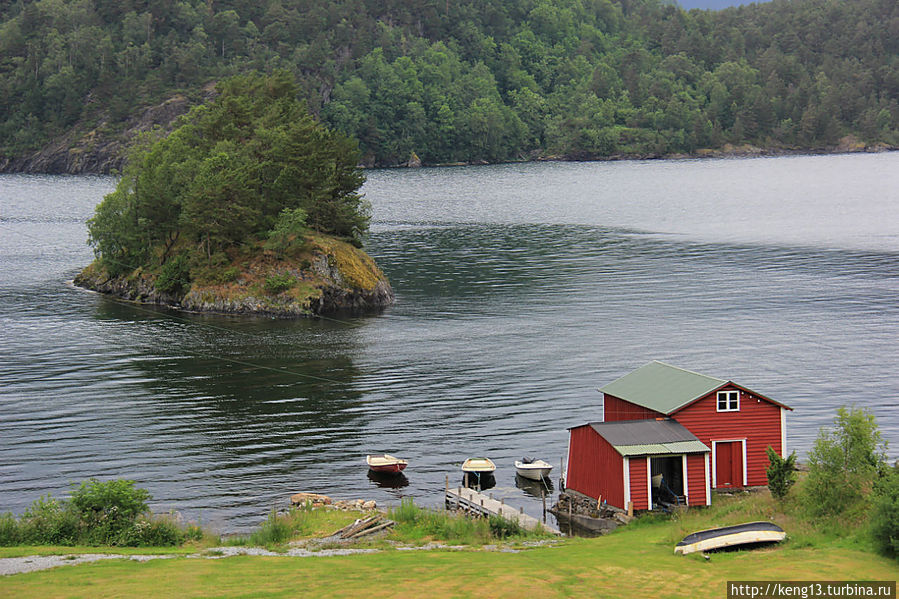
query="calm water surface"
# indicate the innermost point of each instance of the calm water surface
(520, 290)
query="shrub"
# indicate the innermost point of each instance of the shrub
(502, 527)
(274, 531)
(10, 532)
(289, 230)
(98, 513)
(49, 522)
(174, 276)
(278, 283)
(229, 274)
(843, 465)
(109, 508)
(781, 473)
(885, 515)
(152, 532)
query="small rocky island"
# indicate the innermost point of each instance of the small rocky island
(328, 275)
(249, 206)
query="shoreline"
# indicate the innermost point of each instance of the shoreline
(848, 145)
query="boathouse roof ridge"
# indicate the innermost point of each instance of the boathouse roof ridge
(662, 387)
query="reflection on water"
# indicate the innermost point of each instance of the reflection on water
(534, 488)
(479, 481)
(384, 480)
(508, 318)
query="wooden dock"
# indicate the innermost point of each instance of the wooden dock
(471, 501)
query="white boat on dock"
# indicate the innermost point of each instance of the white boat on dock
(533, 469)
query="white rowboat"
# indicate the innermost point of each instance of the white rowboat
(533, 469)
(478, 465)
(729, 536)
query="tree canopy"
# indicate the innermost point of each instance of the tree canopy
(251, 164)
(472, 80)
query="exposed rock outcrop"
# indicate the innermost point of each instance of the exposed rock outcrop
(101, 148)
(332, 276)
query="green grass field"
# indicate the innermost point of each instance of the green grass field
(636, 561)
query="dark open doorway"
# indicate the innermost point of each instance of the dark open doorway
(667, 481)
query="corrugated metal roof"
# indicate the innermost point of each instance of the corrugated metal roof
(649, 437)
(642, 432)
(662, 387)
(662, 448)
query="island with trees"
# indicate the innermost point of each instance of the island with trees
(248, 206)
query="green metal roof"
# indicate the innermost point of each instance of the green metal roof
(662, 387)
(649, 437)
(662, 448)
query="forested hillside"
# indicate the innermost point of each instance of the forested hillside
(470, 80)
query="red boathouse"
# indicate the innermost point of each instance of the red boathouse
(669, 434)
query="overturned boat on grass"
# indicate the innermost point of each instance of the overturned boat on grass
(749, 534)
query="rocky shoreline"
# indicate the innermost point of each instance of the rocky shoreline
(338, 278)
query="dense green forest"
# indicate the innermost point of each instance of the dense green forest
(485, 80)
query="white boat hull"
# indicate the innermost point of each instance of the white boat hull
(537, 470)
(478, 466)
(750, 533)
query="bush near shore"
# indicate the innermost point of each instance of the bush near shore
(98, 513)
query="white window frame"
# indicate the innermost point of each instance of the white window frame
(727, 401)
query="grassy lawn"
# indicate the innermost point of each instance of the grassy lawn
(637, 561)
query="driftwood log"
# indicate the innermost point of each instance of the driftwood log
(364, 527)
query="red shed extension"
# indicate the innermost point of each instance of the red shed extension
(644, 462)
(737, 424)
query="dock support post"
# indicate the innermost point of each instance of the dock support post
(543, 497)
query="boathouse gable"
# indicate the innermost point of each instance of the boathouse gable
(730, 429)
(736, 423)
(738, 438)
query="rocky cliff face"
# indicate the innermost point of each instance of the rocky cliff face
(100, 149)
(333, 277)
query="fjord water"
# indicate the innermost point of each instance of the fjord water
(521, 289)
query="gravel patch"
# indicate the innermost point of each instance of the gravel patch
(33, 563)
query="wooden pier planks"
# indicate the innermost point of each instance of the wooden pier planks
(478, 503)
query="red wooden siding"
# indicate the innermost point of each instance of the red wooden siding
(615, 409)
(757, 421)
(638, 484)
(696, 479)
(594, 467)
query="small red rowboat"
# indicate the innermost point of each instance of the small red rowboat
(385, 464)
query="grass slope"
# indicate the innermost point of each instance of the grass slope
(637, 561)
